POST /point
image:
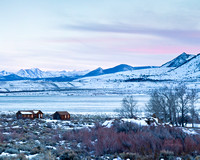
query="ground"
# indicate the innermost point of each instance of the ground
(91, 137)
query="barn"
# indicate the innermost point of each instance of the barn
(29, 114)
(61, 115)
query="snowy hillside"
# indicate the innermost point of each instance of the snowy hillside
(188, 71)
(118, 68)
(176, 62)
(13, 86)
(96, 85)
(122, 76)
(117, 81)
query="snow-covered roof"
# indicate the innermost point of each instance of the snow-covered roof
(35, 111)
(62, 112)
(29, 111)
(24, 112)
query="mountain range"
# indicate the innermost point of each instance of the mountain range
(121, 79)
(37, 74)
(182, 65)
(119, 68)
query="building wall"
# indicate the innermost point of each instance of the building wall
(30, 116)
(61, 117)
(21, 116)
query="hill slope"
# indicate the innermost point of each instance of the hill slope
(178, 61)
(190, 70)
(119, 68)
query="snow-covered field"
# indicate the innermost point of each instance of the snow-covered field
(73, 104)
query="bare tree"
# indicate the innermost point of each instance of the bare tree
(128, 108)
(183, 101)
(173, 104)
(163, 103)
(156, 105)
(193, 99)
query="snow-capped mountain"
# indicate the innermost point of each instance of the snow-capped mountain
(33, 73)
(67, 73)
(4, 73)
(183, 66)
(178, 61)
(119, 79)
(96, 72)
(118, 68)
(37, 73)
(190, 70)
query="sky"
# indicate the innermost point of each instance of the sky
(84, 35)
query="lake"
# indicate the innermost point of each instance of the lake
(73, 104)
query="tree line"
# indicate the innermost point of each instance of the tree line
(176, 105)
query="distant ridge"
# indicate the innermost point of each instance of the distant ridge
(32, 73)
(4, 73)
(178, 61)
(190, 68)
(96, 72)
(11, 77)
(37, 74)
(118, 68)
(181, 66)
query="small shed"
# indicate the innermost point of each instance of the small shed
(29, 114)
(61, 115)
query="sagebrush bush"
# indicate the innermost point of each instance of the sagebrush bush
(69, 155)
(127, 137)
(50, 140)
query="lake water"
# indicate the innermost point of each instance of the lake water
(73, 104)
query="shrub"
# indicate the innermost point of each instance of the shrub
(173, 145)
(129, 155)
(11, 151)
(1, 137)
(126, 127)
(164, 154)
(190, 145)
(69, 155)
(21, 156)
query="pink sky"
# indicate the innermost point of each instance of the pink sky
(88, 34)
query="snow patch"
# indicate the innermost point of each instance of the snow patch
(108, 123)
(141, 122)
(189, 131)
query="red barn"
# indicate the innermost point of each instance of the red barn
(61, 115)
(30, 114)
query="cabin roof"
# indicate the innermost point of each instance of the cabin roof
(35, 111)
(62, 112)
(26, 112)
(29, 111)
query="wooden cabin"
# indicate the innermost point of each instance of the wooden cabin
(29, 114)
(61, 115)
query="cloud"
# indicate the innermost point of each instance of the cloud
(183, 36)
